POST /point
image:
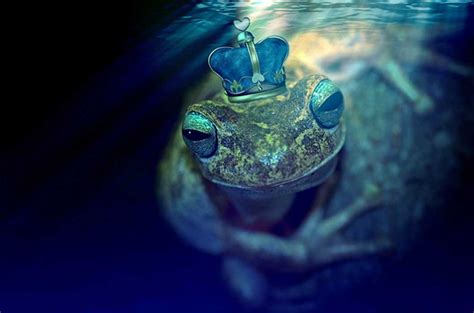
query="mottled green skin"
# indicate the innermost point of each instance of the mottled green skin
(268, 142)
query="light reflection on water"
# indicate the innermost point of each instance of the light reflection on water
(328, 13)
(417, 22)
(343, 40)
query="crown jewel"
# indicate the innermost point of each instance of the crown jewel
(252, 70)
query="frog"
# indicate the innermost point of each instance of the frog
(232, 171)
(233, 175)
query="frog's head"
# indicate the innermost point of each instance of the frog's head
(271, 147)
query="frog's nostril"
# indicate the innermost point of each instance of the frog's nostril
(327, 104)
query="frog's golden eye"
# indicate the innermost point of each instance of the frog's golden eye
(327, 104)
(199, 134)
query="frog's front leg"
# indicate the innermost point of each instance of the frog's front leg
(323, 235)
(316, 243)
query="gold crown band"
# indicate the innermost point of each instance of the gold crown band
(259, 95)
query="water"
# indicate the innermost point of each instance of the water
(85, 235)
(317, 16)
(327, 14)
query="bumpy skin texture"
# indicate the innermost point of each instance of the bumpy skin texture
(256, 148)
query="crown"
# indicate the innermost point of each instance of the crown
(253, 70)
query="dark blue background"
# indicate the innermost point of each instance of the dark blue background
(80, 229)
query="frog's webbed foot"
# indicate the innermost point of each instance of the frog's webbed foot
(322, 235)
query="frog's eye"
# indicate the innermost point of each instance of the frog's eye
(326, 104)
(199, 134)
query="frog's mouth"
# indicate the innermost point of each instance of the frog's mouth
(294, 183)
(268, 203)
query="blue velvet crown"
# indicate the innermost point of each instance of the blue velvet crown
(251, 71)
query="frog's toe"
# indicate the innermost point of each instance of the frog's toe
(333, 225)
(344, 251)
(424, 104)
